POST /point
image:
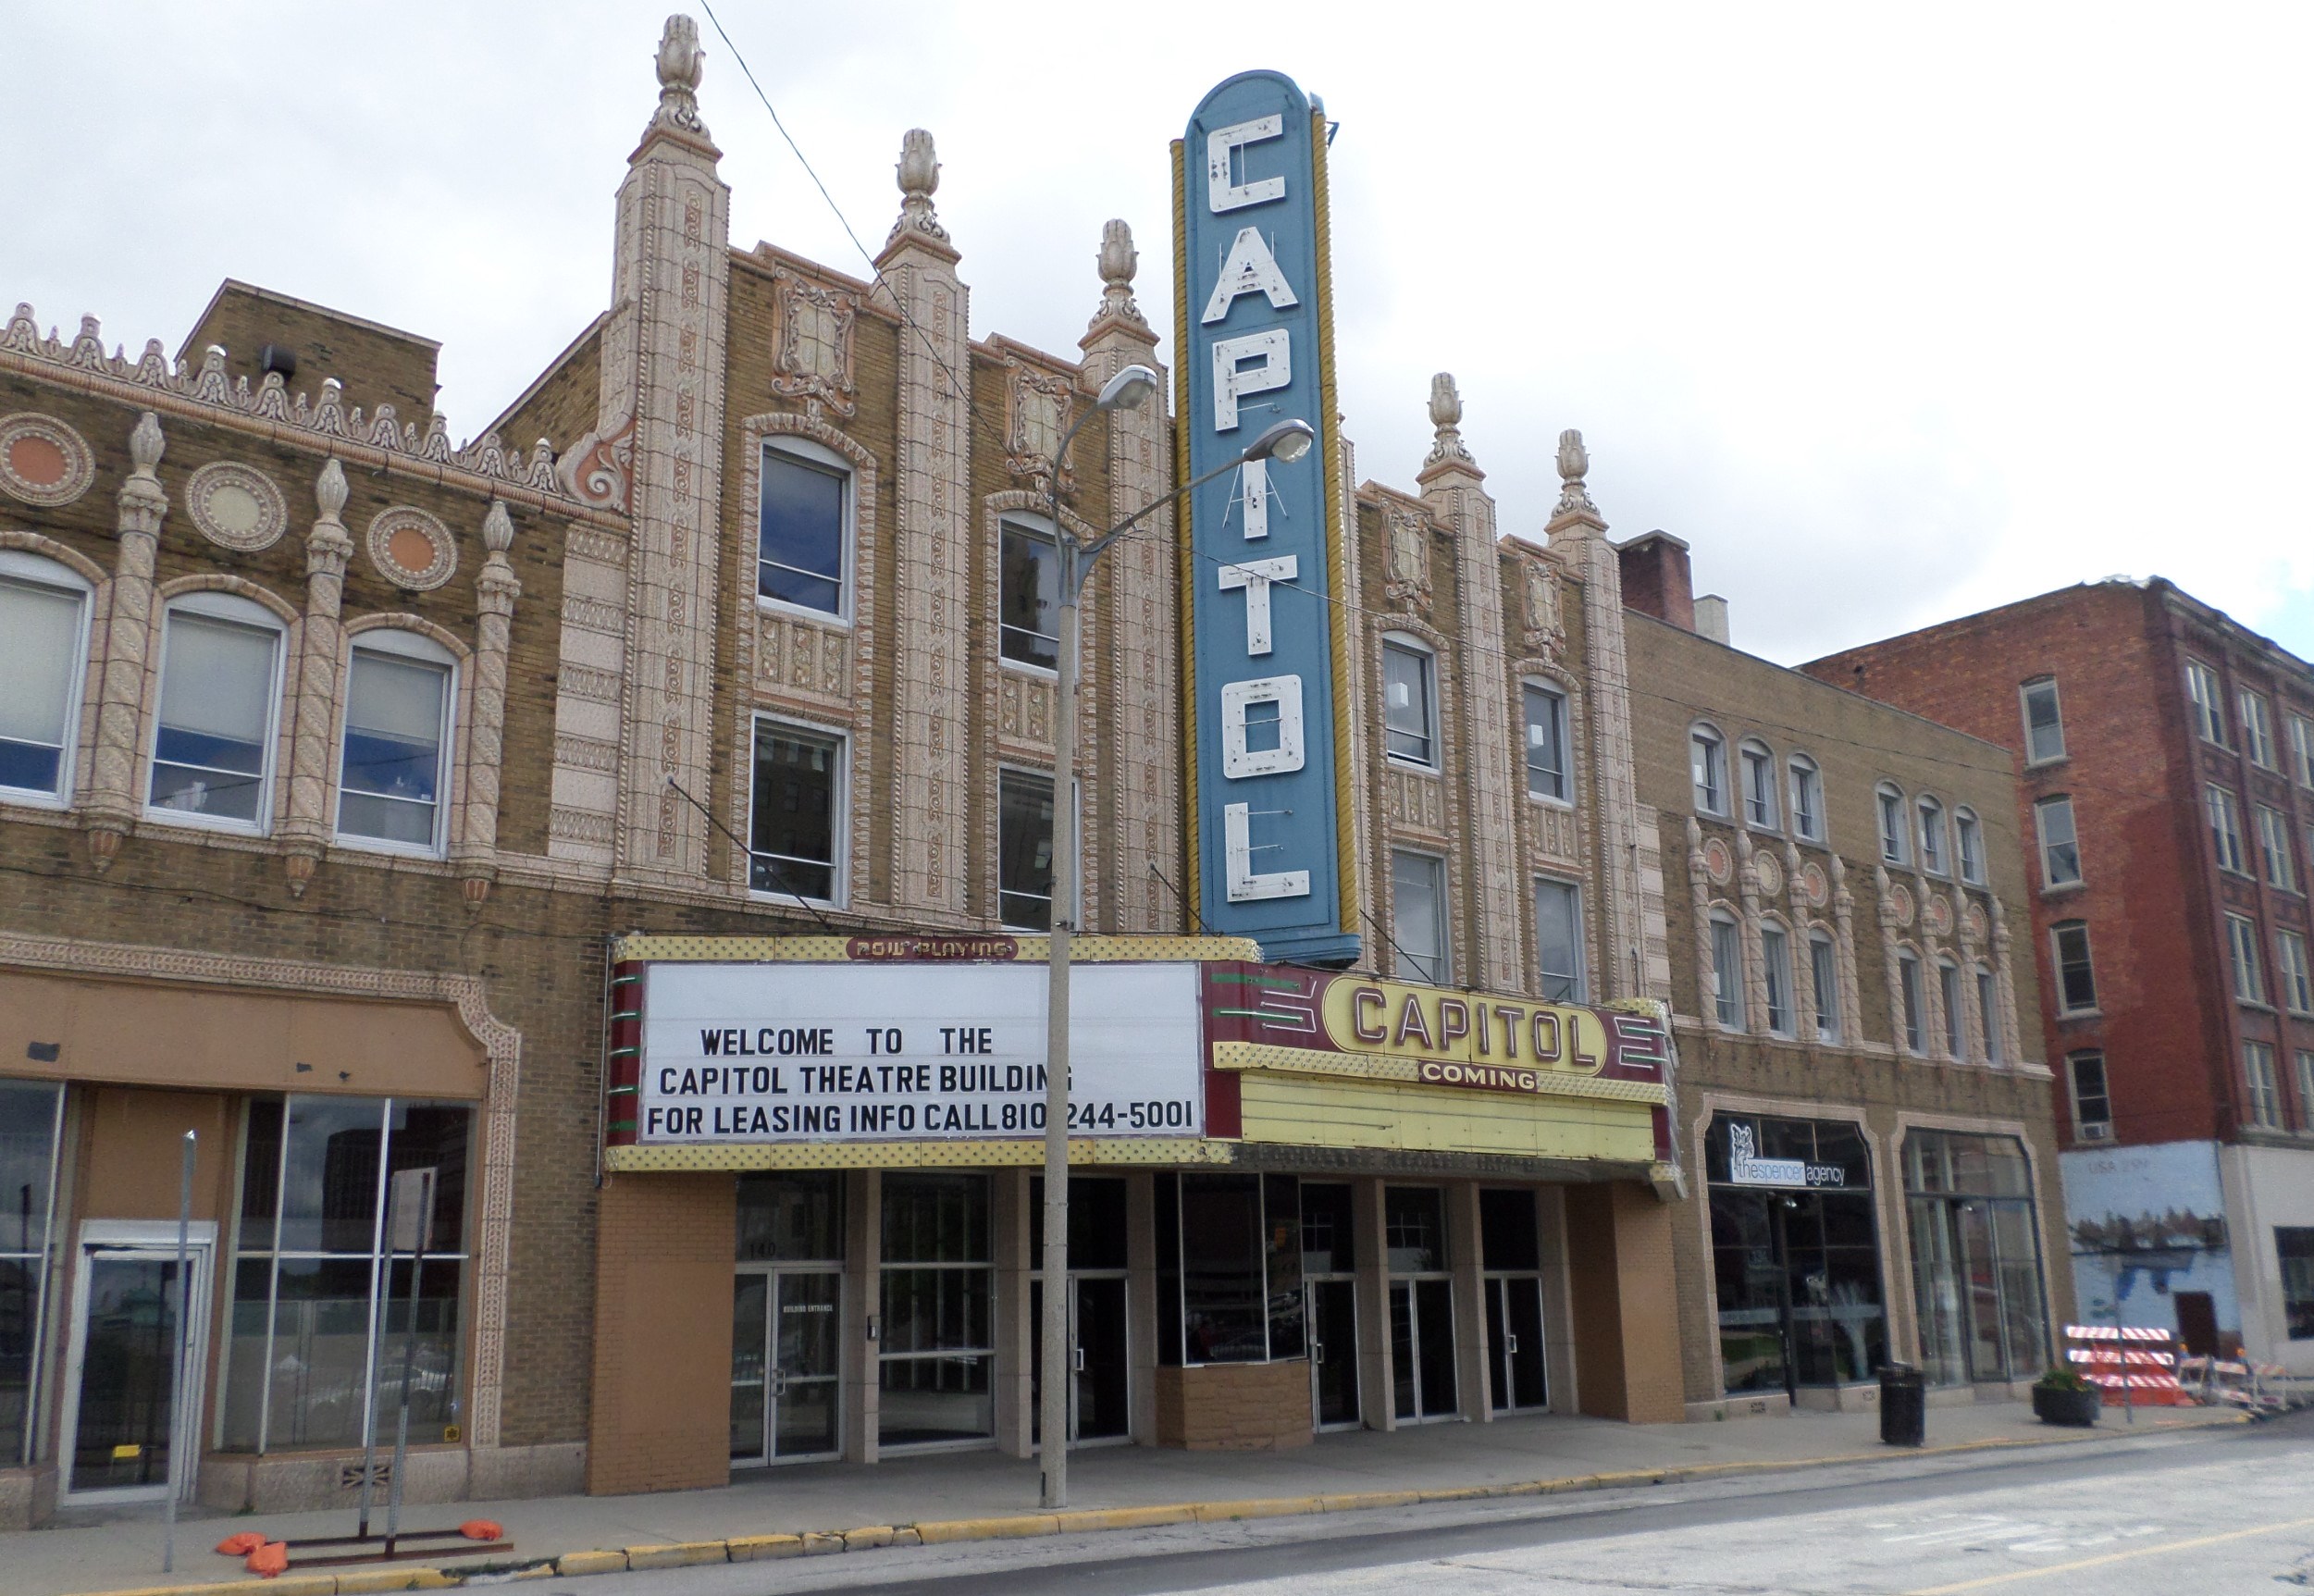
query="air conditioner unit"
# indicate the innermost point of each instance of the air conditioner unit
(2097, 1133)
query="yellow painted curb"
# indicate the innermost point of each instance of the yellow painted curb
(677, 1554)
(361, 1581)
(1256, 1507)
(819, 1542)
(1014, 1528)
(575, 1562)
(1125, 1517)
(868, 1538)
(763, 1548)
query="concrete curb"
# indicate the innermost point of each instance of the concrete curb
(1074, 1521)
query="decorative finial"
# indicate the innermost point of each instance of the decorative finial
(919, 174)
(146, 444)
(681, 64)
(329, 492)
(1574, 466)
(1119, 261)
(1446, 417)
(498, 528)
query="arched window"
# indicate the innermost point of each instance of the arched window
(804, 526)
(1948, 996)
(1915, 1000)
(1823, 971)
(393, 765)
(1932, 836)
(1759, 784)
(1707, 759)
(1727, 971)
(1968, 841)
(1807, 799)
(1409, 700)
(1989, 1013)
(1891, 806)
(220, 693)
(1775, 959)
(44, 646)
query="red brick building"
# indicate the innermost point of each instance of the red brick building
(2167, 758)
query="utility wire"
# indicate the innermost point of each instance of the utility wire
(748, 853)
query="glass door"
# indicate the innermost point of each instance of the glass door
(786, 1341)
(1515, 1338)
(1422, 1349)
(1100, 1382)
(122, 1416)
(1333, 1352)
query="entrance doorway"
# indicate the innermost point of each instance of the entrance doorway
(124, 1414)
(1421, 1304)
(1510, 1250)
(786, 1336)
(1099, 1359)
(1328, 1260)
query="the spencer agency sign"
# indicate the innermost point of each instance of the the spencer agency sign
(791, 1053)
(1263, 539)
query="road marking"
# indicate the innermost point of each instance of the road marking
(1991, 1580)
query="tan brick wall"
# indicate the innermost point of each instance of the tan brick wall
(1626, 1328)
(663, 1334)
(378, 365)
(1234, 1406)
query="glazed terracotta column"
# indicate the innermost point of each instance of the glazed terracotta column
(328, 548)
(112, 800)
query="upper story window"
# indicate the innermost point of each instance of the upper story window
(1559, 940)
(2297, 975)
(1409, 702)
(1548, 773)
(1915, 1000)
(2258, 730)
(2302, 749)
(44, 640)
(2201, 685)
(2265, 1097)
(1823, 979)
(2249, 970)
(804, 528)
(1417, 882)
(1727, 972)
(795, 829)
(1759, 785)
(1968, 840)
(2092, 1102)
(1807, 799)
(1024, 850)
(1932, 836)
(220, 683)
(2225, 829)
(1775, 965)
(1028, 599)
(2044, 724)
(1949, 999)
(1707, 762)
(1890, 803)
(391, 774)
(2076, 981)
(2060, 851)
(2273, 848)
(1989, 1013)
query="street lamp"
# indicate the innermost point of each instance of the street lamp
(1286, 441)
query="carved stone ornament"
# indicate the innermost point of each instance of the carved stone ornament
(1038, 418)
(1119, 261)
(1812, 883)
(1718, 862)
(1545, 627)
(410, 548)
(43, 461)
(601, 470)
(1771, 874)
(1573, 466)
(1936, 915)
(235, 506)
(681, 64)
(1900, 901)
(1973, 924)
(1407, 578)
(812, 346)
(919, 176)
(1447, 422)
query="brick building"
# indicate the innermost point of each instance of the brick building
(325, 829)
(1867, 1129)
(2167, 802)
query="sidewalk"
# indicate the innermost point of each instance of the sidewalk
(976, 1496)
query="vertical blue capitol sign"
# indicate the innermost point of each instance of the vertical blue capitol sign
(1261, 562)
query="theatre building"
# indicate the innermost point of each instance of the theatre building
(1863, 1101)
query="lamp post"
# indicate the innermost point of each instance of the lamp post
(1287, 440)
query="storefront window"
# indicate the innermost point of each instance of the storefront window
(1229, 1269)
(28, 1147)
(938, 1334)
(2294, 1244)
(1795, 1252)
(309, 1335)
(1976, 1258)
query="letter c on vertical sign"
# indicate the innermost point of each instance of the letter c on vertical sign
(1223, 193)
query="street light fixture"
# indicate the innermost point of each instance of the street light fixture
(1286, 441)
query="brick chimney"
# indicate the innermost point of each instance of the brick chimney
(1656, 580)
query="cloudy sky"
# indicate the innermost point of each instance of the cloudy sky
(1892, 313)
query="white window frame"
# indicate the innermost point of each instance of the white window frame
(2248, 968)
(1428, 656)
(2025, 694)
(1968, 846)
(1896, 844)
(2225, 828)
(2042, 809)
(425, 651)
(1783, 1013)
(1036, 526)
(1936, 836)
(2302, 748)
(820, 457)
(1807, 798)
(2207, 694)
(1076, 791)
(1951, 1000)
(1707, 771)
(1444, 953)
(2057, 967)
(2305, 1056)
(2258, 728)
(1727, 987)
(1755, 763)
(1824, 983)
(1911, 1019)
(24, 568)
(2295, 971)
(1556, 697)
(2274, 849)
(232, 608)
(2265, 1086)
(1988, 1010)
(839, 804)
(2105, 1091)
(1583, 957)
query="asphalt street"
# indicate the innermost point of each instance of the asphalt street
(2212, 1511)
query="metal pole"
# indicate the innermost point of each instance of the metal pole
(1053, 1405)
(178, 1424)
(409, 1359)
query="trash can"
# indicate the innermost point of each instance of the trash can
(1903, 1406)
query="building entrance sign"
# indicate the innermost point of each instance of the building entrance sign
(794, 1052)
